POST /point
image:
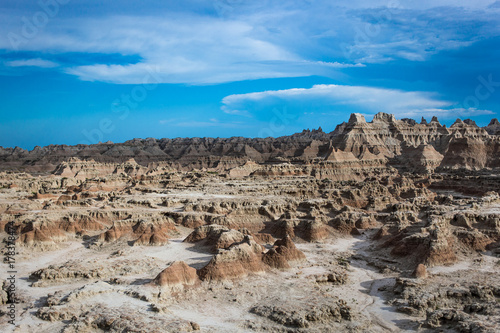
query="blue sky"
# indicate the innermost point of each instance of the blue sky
(80, 71)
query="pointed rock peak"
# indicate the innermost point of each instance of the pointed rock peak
(494, 121)
(131, 161)
(423, 121)
(339, 155)
(339, 128)
(470, 122)
(384, 117)
(458, 122)
(250, 163)
(357, 118)
(435, 120)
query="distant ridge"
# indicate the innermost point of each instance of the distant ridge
(400, 143)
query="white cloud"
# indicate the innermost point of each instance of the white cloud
(367, 100)
(255, 40)
(192, 50)
(335, 64)
(37, 62)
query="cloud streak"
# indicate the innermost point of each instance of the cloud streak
(367, 100)
(37, 62)
(249, 41)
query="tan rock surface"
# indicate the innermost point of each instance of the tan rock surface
(176, 275)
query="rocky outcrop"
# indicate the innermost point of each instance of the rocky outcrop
(441, 237)
(493, 127)
(349, 221)
(302, 317)
(239, 260)
(215, 236)
(91, 270)
(141, 232)
(247, 256)
(103, 318)
(76, 168)
(41, 233)
(151, 234)
(244, 170)
(336, 278)
(463, 305)
(423, 158)
(177, 275)
(282, 254)
(220, 237)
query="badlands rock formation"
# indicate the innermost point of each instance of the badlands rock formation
(358, 145)
(179, 274)
(382, 226)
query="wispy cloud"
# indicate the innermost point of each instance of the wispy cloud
(415, 33)
(194, 50)
(367, 100)
(335, 64)
(32, 63)
(257, 40)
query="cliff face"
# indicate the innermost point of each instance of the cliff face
(357, 144)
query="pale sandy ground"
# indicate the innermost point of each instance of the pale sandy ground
(485, 262)
(362, 292)
(224, 306)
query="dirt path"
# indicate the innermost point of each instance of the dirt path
(372, 282)
(364, 283)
